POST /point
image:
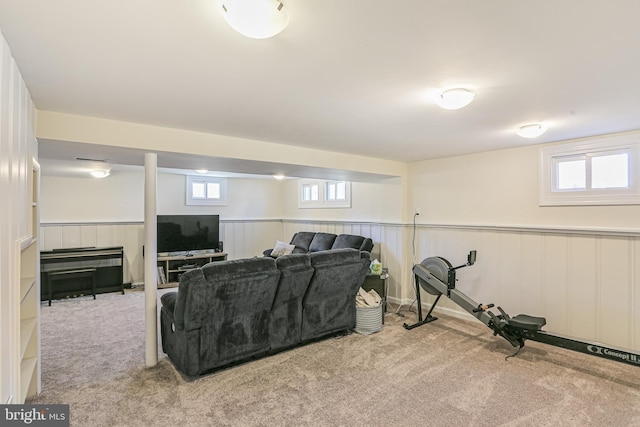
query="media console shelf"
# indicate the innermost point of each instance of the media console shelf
(173, 266)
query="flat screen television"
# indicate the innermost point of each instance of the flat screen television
(188, 233)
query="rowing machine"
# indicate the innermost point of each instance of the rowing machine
(438, 277)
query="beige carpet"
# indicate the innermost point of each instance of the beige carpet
(447, 373)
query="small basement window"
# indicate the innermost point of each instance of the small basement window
(206, 190)
(316, 193)
(598, 172)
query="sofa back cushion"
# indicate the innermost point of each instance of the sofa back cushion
(189, 301)
(322, 242)
(302, 241)
(329, 304)
(238, 267)
(238, 298)
(286, 313)
(352, 241)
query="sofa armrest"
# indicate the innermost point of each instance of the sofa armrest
(168, 301)
(267, 252)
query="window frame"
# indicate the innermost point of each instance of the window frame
(551, 156)
(197, 201)
(323, 201)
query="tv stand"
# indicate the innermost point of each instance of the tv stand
(174, 265)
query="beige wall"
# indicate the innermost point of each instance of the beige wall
(119, 198)
(370, 202)
(92, 130)
(500, 188)
(577, 266)
(247, 198)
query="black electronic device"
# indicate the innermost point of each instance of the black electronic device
(188, 233)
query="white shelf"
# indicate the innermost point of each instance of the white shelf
(26, 285)
(27, 330)
(27, 376)
(28, 268)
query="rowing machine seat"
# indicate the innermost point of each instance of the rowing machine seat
(531, 323)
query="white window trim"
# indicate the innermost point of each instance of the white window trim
(322, 203)
(550, 196)
(191, 201)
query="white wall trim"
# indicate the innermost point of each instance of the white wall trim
(591, 231)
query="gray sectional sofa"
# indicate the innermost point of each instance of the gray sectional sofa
(310, 241)
(233, 311)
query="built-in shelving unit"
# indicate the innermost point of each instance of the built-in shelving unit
(29, 293)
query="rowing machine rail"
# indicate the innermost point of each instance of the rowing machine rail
(437, 277)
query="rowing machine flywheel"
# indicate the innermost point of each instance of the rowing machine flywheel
(439, 268)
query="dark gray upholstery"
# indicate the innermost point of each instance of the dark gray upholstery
(352, 241)
(223, 319)
(232, 311)
(302, 241)
(309, 241)
(322, 242)
(328, 306)
(286, 314)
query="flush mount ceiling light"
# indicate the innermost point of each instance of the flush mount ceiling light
(100, 173)
(258, 19)
(278, 176)
(454, 99)
(533, 130)
(202, 170)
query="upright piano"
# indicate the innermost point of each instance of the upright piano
(81, 271)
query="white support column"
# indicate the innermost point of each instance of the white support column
(150, 259)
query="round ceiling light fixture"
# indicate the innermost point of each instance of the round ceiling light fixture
(100, 173)
(278, 176)
(454, 99)
(257, 19)
(532, 130)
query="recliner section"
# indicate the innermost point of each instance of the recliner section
(232, 311)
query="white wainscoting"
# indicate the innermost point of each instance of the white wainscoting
(388, 239)
(586, 283)
(242, 239)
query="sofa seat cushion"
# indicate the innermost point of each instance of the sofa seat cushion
(322, 242)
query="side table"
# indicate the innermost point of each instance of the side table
(378, 282)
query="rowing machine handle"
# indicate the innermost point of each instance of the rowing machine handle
(481, 307)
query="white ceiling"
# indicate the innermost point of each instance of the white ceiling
(346, 76)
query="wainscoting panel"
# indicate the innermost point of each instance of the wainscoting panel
(246, 239)
(584, 283)
(128, 235)
(242, 239)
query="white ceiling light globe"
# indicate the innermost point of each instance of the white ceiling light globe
(454, 99)
(100, 173)
(258, 19)
(533, 130)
